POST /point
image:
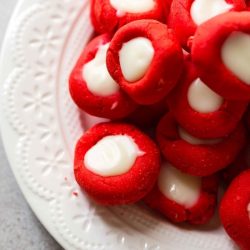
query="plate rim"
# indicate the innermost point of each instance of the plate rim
(31, 199)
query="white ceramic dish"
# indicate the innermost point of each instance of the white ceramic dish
(40, 126)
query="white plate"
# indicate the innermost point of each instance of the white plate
(40, 126)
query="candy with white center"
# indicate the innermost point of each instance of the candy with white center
(235, 54)
(116, 163)
(182, 188)
(182, 197)
(112, 155)
(96, 75)
(203, 99)
(146, 60)
(108, 16)
(133, 6)
(194, 156)
(200, 110)
(91, 86)
(186, 15)
(136, 56)
(202, 10)
(221, 54)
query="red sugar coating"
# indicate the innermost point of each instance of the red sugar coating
(181, 22)
(197, 160)
(166, 7)
(106, 19)
(235, 210)
(203, 125)
(200, 213)
(165, 69)
(122, 189)
(114, 106)
(206, 54)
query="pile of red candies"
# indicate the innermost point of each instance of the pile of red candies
(173, 77)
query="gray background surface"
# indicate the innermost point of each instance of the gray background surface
(19, 228)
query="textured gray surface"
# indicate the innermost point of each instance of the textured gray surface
(19, 228)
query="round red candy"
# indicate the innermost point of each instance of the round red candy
(235, 210)
(163, 71)
(186, 15)
(128, 187)
(199, 211)
(200, 111)
(219, 52)
(115, 105)
(201, 158)
(107, 17)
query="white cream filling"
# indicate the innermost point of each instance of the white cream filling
(184, 135)
(235, 54)
(136, 56)
(95, 73)
(179, 187)
(203, 10)
(203, 99)
(113, 155)
(132, 6)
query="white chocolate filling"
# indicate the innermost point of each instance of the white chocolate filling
(179, 187)
(194, 140)
(203, 10)
(132, 6)
(203, 99)
(136, 56)
(112, 155)
(235, 54)
(95, 73)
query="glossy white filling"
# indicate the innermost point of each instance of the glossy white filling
(179, 187)
(132, 6)
(95, 73)
(203, 10)
(113, 155)
(184, 135)
(203, 99)
(235, 54)
(136, 56)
